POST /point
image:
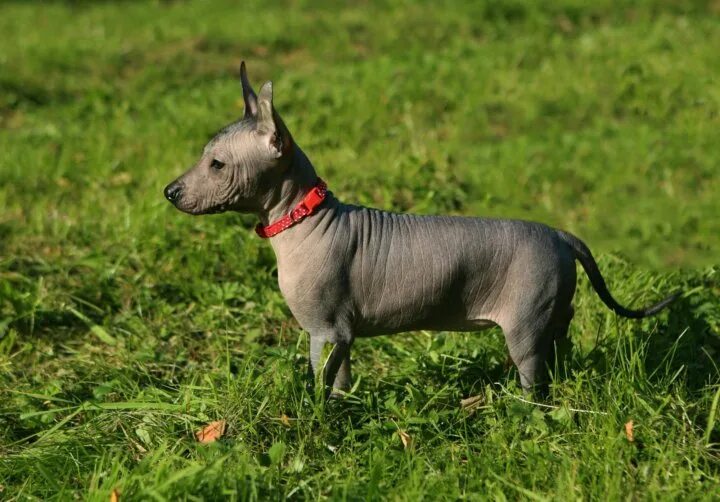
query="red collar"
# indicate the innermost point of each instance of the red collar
(305, 208)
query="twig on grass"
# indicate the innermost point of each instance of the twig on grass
(551, 406)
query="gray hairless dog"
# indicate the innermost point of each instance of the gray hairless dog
(349, 271)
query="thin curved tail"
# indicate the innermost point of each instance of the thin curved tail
(585, 257)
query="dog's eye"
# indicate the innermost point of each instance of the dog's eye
(216, 164)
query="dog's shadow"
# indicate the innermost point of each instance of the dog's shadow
(462, 369)
(683, 347)
(686, 343)
(473, 370)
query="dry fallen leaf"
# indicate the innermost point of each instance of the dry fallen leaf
(120, 179)
(565, 24)
(629, 433)
(211, 432)
(285, 420)
(115, 495)
(406, 439)
(471, 403)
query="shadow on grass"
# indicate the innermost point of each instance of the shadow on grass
(469, 377)
(686, 342)
(685, 346)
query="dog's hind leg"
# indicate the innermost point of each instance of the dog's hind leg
(562, 345)
(529, 349)
(534, 344)
(529, 338)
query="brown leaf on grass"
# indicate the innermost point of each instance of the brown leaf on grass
(115, 495)
(629, 432)
(211, 432)
(471, 403)
(406, 439)
(565, 24)
(285, 420)
(120, 179)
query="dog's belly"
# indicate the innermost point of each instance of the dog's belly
(478, 325)
(413, 314)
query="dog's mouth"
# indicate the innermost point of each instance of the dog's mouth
(188, 204)
(197, 210)
(216, 209)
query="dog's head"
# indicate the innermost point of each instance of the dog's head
(241, 164)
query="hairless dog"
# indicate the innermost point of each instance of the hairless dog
(349, 271)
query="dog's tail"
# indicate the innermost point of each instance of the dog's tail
(585, 257)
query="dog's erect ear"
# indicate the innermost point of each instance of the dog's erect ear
(265, 119)
(270, 124)
(251, 105)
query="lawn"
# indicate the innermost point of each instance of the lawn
(126, 326)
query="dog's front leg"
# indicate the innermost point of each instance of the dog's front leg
(337, 368)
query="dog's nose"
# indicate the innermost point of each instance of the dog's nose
(172, 191)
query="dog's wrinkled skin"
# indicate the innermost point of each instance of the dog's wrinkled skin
(350, 271)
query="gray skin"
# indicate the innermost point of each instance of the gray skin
(349, 271)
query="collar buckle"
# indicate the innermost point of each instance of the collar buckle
(300, 212)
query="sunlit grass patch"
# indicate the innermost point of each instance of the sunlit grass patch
(126, 327)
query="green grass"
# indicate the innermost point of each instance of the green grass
(125, 325)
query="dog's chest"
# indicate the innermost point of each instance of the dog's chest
(314, 287)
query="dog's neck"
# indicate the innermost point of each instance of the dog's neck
(297, 180)
(290, 244)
